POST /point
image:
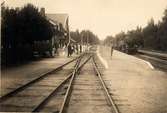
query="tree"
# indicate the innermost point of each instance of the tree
(107, 41)
(85, 36)
(152, 37)
(33, 26)
(134, 38)
(20, 28)
(75, 35)
(162, 33)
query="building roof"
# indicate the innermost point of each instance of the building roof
(52, 22)
(59, 18)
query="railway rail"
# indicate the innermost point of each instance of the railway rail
(16, 92)
(111, 100)
(88, 91)
(43, 75)
(54, 91)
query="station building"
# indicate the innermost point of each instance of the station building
(61, 24)
(61, 39)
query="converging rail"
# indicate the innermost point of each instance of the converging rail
(43, 75)
(43, 102)
(78, 95)
(26, 87)
(69, 78)
(68, 92)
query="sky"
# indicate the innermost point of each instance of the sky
(103, 17)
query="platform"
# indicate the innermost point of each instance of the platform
(133, 83)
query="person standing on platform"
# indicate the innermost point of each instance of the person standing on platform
(77, 48)
(72, 49)
(112, 48)
(69, 50)
(80, 47)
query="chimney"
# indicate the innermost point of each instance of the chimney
(42, 11)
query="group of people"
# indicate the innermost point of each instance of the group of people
(74, 48)
(78, 49)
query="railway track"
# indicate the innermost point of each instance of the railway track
(41, 76)
(89, 93)
(158, 63)
(27, 96)
(76, 87)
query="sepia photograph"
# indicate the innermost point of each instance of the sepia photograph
(83, 56)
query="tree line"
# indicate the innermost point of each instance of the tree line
(151, 37)
(84, 37)
(20, 28)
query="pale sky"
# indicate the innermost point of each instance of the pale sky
(103, 17)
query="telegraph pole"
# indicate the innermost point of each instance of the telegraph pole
(87, 41)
